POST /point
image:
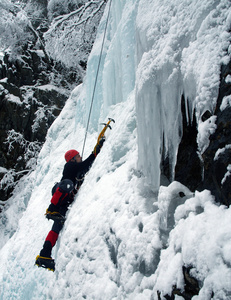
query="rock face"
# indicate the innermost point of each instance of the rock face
(217, 157)
(191, 287)
(213, 171)
(31, 98)
(34, 88)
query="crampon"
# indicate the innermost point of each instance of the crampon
(45, 262)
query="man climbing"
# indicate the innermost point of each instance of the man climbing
(62, 196)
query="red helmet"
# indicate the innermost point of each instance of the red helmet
(70, 154)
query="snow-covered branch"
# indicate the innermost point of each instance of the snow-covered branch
(16, 28)
(10, 177)
(80, 12)
(31, 149)
(71, 36)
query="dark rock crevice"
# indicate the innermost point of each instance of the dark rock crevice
(210, 171)
(188, 169)
(191, 287)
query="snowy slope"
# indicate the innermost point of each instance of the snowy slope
(127, 237)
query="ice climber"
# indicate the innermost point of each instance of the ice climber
(62, 196)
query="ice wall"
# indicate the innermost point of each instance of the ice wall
(116, 78)
(160, 49)
(113, 240)
(180, 46)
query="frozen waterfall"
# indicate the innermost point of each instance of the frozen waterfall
(127, 237)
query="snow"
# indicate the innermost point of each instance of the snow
(226, 102)
(205, 129)
(127, 235)
(228, 78)
(40, 53)
(3, 170)
(220, 151)
(4, 80)
(14, 99)
(200, 239)
(227, 174)
(50, 87)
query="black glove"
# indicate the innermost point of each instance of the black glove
(98, 146)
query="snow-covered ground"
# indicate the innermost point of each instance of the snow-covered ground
(126, 236)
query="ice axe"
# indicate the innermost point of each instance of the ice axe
(106, 125)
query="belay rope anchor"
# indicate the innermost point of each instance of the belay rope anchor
(97, 73)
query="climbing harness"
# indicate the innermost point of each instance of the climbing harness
(97, 73)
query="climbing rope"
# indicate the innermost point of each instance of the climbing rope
(97, 73)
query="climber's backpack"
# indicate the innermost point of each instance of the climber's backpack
(66, 185)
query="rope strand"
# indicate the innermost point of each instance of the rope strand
(97, 73)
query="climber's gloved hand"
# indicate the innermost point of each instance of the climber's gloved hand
(98, 146)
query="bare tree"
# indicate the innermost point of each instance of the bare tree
(16, 28)
(71, 36)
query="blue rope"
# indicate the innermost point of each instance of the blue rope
(97, 73)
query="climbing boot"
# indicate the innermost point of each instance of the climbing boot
(45, 262)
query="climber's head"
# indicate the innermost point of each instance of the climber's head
(72, 154)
